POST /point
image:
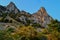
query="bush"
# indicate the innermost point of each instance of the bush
(5, 36)
(36, 25)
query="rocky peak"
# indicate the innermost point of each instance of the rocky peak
(42, 17)
(11, 3)
(42, 11)
(12, 7)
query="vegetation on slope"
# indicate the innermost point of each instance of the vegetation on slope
(52, 32)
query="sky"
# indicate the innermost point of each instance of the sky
(52, 6)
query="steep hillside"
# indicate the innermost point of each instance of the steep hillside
(40, 17)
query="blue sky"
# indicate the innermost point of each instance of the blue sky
(52, 6)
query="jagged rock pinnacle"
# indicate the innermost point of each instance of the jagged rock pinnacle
(12, 7)
(12, 3)
(43, 9)
(42, 17)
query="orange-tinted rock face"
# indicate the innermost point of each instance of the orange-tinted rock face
(42, 16)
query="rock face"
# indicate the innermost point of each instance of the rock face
(12, 8)
(40, 16)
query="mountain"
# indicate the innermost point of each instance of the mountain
(40, 17)
(12, 8)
